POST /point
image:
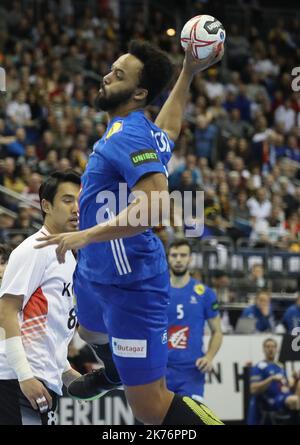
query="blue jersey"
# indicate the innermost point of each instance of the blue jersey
(131, 147)
(190, 307)
(276, 389)
(291, 318)
(263, 323)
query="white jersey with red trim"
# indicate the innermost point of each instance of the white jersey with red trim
(47, 319)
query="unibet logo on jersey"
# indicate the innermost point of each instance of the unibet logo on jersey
(143, 156)
(178, 337)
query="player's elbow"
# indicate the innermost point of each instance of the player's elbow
(173, 132)
(9, 308)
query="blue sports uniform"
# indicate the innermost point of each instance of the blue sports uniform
(291, 317)
(190, 307)
(122, 286)
(273, 399)
(263, 323)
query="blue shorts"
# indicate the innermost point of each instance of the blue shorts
(135, 319)
(185, 381)
(277, 403)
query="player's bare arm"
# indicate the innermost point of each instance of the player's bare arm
(170, 117)
(33, 389)
(69, 376)
(204, 364)
(118, 227)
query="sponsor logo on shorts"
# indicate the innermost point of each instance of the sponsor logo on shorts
(129, 348)
(178, 337)
(143, 157)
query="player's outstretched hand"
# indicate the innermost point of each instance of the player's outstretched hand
(192, 66)
(65, 242)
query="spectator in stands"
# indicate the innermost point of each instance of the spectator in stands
(49, 165)
(259, 205)
(18, 147)
(256, 279)
(24, 220)
(286, 115)
(31, 192)
(240, 216)
(206, 135)
(18, 110)
(221, 285)
(291, 317)
(190, 166)
(214, 224)
(261, 312)
(270, 389)
(238, 48)
(213, 87)
(235, 126)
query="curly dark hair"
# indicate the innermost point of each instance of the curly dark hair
(157, 71)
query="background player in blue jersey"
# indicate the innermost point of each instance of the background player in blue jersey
(192, 304)
(291, 317)
(269, 387)
(121, 281)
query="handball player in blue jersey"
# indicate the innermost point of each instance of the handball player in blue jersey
(192, 304)
(121, 282)
(269, 388)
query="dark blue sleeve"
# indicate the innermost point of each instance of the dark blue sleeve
(133, 156)
(255, 374)
(211, 304)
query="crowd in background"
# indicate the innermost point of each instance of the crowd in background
(240, 139)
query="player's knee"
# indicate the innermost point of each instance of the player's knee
(150, 407)
(150, 413)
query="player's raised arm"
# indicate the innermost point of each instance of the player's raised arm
(170, 117)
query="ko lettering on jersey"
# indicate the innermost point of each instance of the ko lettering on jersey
(131, 147)
(47, 319)
(190, 307)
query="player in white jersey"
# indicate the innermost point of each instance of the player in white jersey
(37, 317)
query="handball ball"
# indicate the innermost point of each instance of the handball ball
(204, 32)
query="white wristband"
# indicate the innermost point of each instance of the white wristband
(17, 359)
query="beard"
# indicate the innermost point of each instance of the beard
(104, 103)
(179, 273)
